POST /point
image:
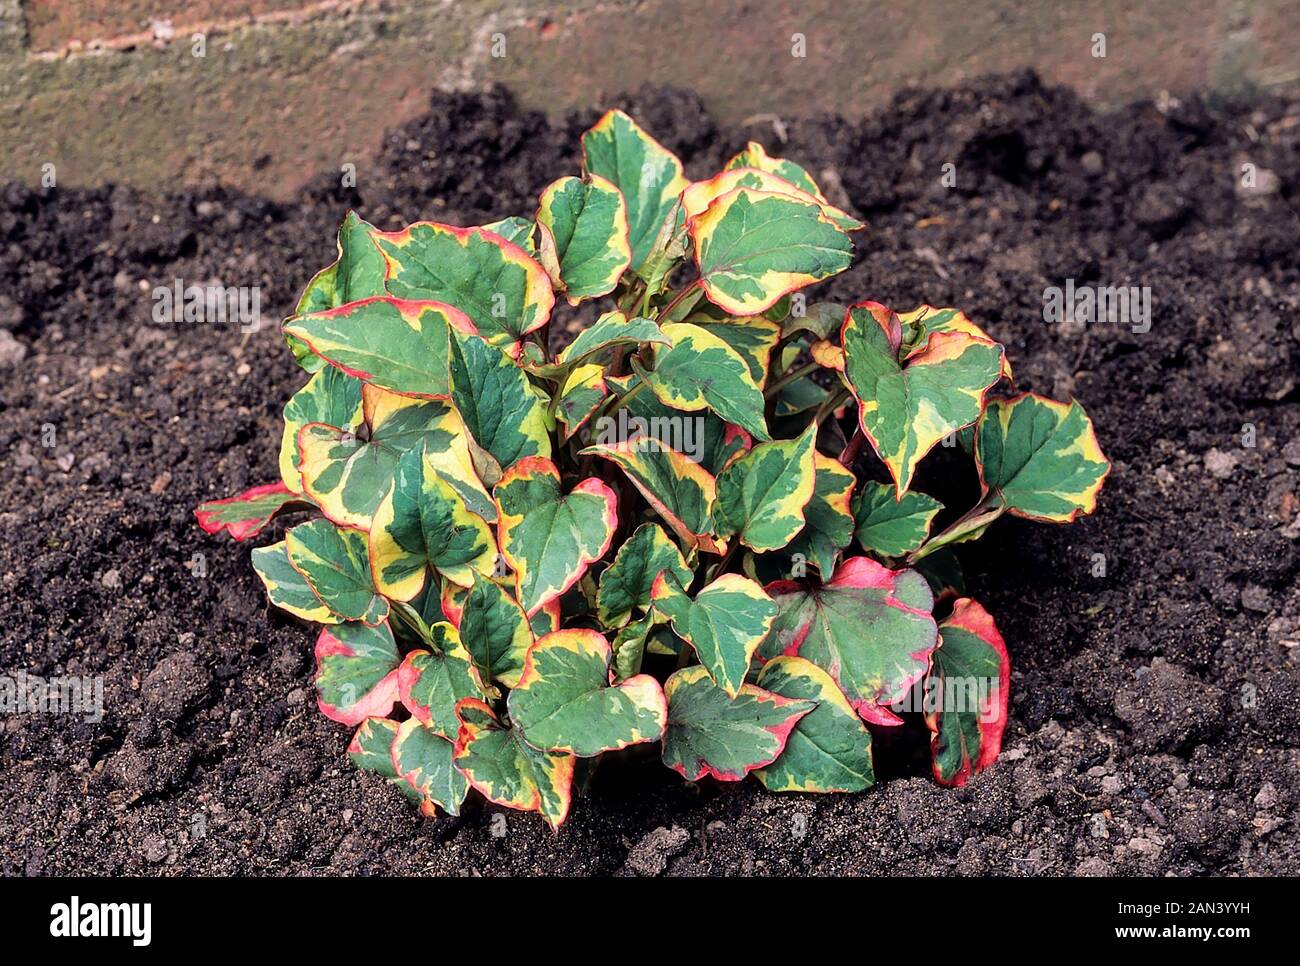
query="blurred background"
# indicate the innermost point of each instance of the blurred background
(262, 94)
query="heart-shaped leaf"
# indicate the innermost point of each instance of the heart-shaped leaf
(371, 747)
(828, 515)
(969, 684)
(711, 733)
(701, 194)
(357, 273)
(700, 371)
(626, 584)
(356, 671)
(587, 218)
(245, 514)
(336, 566)
(905, 409)
(648, 175)
(331, 397)
(495, 631)
(423, 523)
(927, 319)
(725, 623)
(681, 491)
(348, 476)
(422, 759)
(507, 770)
(499, 286)
(502, 410)
(581, 394)
(286, 588)
(564, 701)
(756, 156)
(430, 682)
(1040, 458)
(761, 496)
(891, 526)
(754, 247)
(398, 345)
(869, 627)
(829, 749)
(547, 536)
(611, 329)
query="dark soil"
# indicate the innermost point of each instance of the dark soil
(1156, 705)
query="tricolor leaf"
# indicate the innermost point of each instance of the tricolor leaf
(357, 273)
(356, 671)
(398, 345)
(906, 408)
(431, 682)
(829, 517)
(565, 702)
(754, 247)
(626, 583)
(725, 623)
(507, 770)
(331, 397)
(495, 632)
(700, 371)
(648, 175)
(501, 408)
(868, 627)
(245, 514)
(286, 588)
(422, 759)
(969, 684)
(587, 219)
(336, 566)
(711, 733)
(499, 286)
(611, 329)
(927, 319)
(581, 394)
(761, 496)
(547, 536)
(891, 526)
(756, 156)
(1040, 458)
(371, 747)
(701, 194)
(753, 338)
(829, 749)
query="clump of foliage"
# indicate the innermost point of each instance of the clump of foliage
(668, 531)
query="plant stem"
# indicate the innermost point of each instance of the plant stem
(623, 400)
(667, 309)
(978, 516)
(832, 403)
(791, 376)
(851, 451)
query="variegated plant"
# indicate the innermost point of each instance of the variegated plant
(673, 530)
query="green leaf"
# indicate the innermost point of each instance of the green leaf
(761, 496)
(286, 588)
(331, 397)
(611, 329)
(430, 683)
(753, 338)
(507, 770)
(969, 683)
(423, 760)
(711, 733)
(725, 623)
(870, 628)
(548, 537)
(820, 320)
(829, 518)
(401, 346)
(335, 565)
(587, 218)
(701, 371)
(927, 319)
(892, 526)
(357, 273)
(564, 701)
(495, 631)
(703, 437)
(681, 491)
(371, 748)
(502, 411)
(245, 514)
(582, 393)
(648, 175)
(629, 647)
(1040, 458)
(516, 230)
(356, 671)
(499, 286)
(829, 749)
(349, 477)
(423, 523)
(906, 409)
(625, 585)
(754, 247)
